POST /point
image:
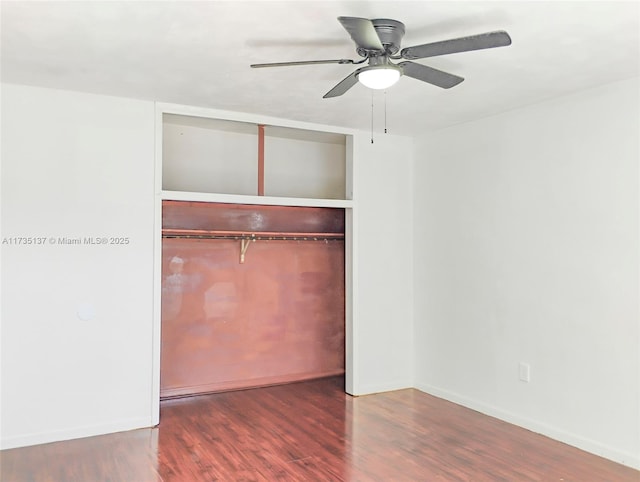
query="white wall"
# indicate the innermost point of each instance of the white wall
(526, 250)
(383, 257)
(75, 165)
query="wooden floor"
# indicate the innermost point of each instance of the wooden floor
(313, 431)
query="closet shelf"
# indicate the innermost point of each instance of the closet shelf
(257, 200)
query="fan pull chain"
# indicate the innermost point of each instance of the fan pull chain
(385, 111)
(371, 116)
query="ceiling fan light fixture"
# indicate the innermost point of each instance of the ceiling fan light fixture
(379, 77)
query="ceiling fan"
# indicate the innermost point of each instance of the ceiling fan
(378, 41)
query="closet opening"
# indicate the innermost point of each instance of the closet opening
(251, 295)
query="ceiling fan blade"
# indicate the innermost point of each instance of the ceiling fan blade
(488, 40)
(362, 32)
(344, 85)
(430, 75)
(302, 62)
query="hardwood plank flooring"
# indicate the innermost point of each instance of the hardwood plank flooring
(313, 431)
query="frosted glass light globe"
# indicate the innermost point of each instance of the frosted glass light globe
(379, 78)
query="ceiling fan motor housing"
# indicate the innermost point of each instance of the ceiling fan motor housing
(390, 33)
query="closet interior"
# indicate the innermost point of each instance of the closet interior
(253, 255)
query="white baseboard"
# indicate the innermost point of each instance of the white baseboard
(591, 446)
(73, 433)
(369, 389)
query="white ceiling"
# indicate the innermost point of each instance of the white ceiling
(198, 53)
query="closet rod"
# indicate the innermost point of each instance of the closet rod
(239, 235)
(259, 237)
(217, 234)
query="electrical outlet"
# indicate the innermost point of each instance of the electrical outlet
(524, 372)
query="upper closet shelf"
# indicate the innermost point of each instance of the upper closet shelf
(238, 160)
(251, 199)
